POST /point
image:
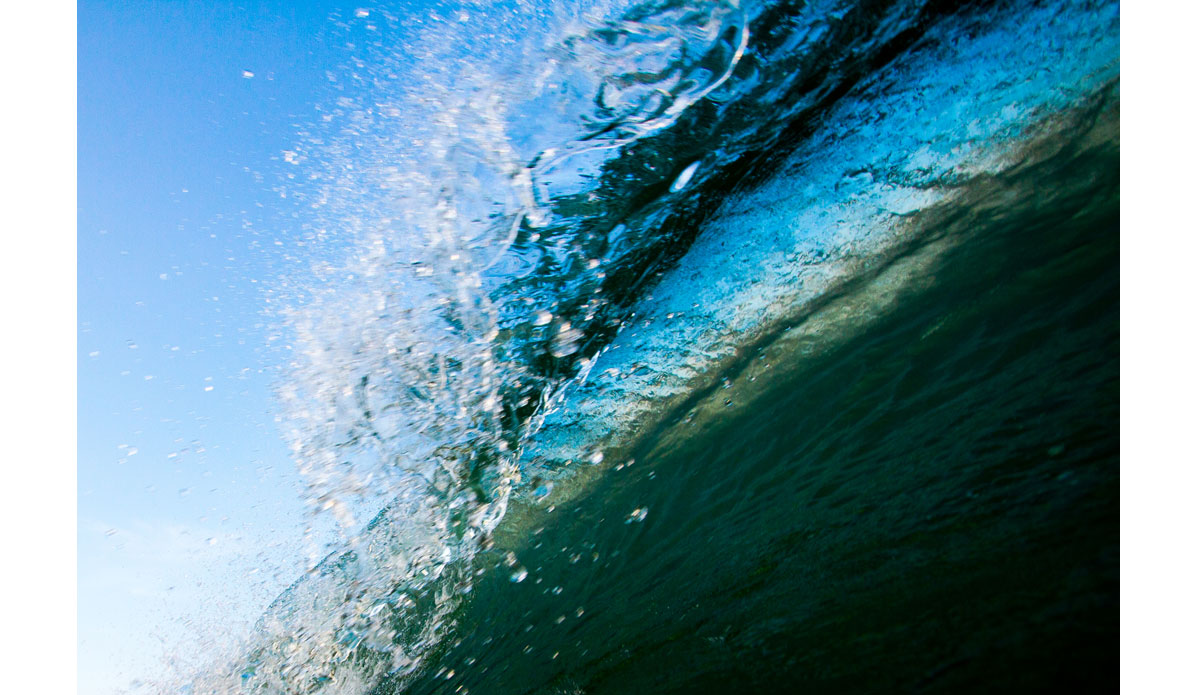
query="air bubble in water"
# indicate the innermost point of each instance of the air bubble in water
(685, 176)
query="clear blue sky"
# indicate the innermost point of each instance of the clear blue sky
(188, 509)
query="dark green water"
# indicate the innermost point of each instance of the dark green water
(932, 506)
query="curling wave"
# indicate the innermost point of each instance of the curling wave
(561, 224)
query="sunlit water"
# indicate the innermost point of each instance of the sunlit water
(705, 346)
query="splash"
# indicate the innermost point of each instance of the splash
(409, 380)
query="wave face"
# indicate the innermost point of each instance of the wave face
(533, 232)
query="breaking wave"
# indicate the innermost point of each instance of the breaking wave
(527, 227)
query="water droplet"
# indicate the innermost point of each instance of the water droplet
(567, 341)
(519, 575)
(638, 515)
(247, 74)
(685, 176)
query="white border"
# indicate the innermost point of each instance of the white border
(37, 283)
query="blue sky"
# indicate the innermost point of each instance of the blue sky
(189, 517)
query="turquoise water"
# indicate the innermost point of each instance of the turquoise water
(928, 506)
(758, 347)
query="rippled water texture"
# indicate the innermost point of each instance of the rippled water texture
(705, 346)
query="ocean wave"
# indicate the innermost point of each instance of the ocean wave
(555, 241)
